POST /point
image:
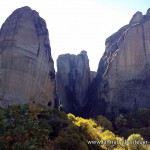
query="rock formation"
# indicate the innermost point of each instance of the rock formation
(73, 80)
(93, 75)
(26, 67)
(122, 82)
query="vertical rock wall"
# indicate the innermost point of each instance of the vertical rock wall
(122, 82)
(73, 80)
(26, 67)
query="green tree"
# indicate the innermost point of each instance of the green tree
(120, 121)
(104, 122)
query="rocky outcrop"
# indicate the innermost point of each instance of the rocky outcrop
(73, 79)
(122, 82)
(26, 67)
(93, 75)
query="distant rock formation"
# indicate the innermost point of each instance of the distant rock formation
(73, 80)
(27, 72)
(122, 82)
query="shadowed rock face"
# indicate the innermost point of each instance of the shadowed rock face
(122, 82)
(93, 75)
(73, 79)
(26, 67)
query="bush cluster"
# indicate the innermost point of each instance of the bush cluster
(34, 127)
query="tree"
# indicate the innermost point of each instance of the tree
(120, 121)
(104, 122)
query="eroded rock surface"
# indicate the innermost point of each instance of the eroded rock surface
(26, 66)
(122, 82)
(73, 80)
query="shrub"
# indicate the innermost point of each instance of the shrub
(71, 117)
(120, 121)
(138, 138)
(139, 119)
(104, 122)
(82, 146)
(108, 136)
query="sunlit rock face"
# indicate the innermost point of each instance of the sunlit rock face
(122, 82)
(26, 67)
(73, 80)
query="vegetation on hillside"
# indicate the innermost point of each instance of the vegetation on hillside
(34, 127)
(134, 122)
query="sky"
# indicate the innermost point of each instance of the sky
(76, 25)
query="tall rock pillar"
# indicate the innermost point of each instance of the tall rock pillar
(73, 79)
(26, 67)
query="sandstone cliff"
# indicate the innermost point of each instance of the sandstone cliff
(122, 82)
(26, 66)
(73, 80)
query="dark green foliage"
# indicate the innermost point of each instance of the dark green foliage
(144, 132)
(34, 127)
(19, 130)
(82, 146)
(136, 122)
(68, 142)
(57, 125)
(120, 121)
(104, 122)
(139, 118)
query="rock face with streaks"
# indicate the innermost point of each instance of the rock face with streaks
(26, 67)
(73, 80)
(93, 75)
(122, 82)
